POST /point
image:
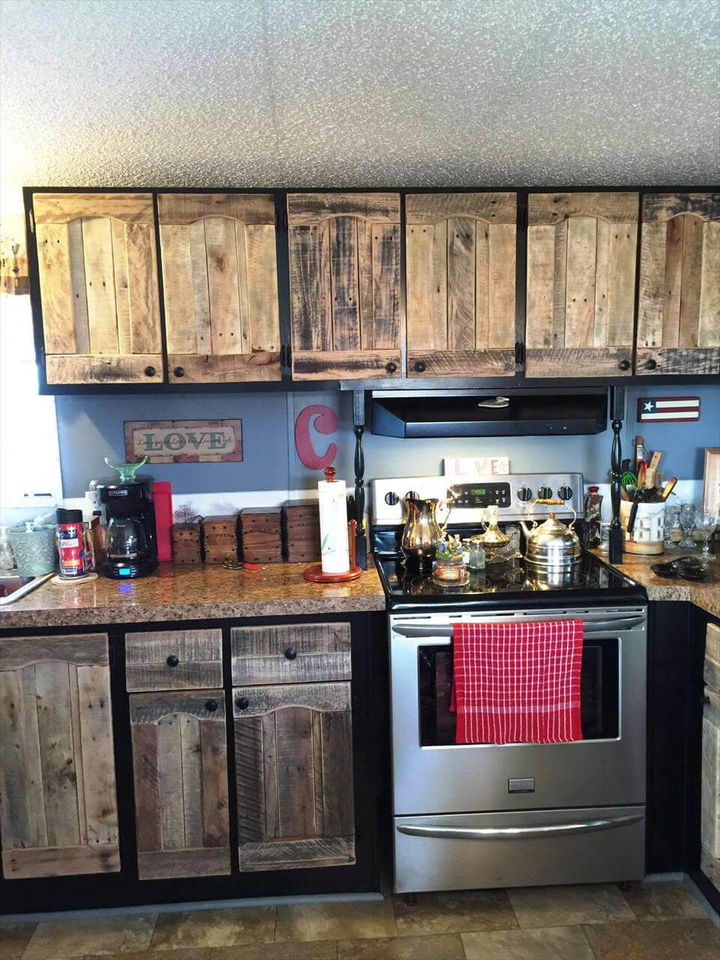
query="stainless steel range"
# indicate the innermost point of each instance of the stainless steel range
(485, 815)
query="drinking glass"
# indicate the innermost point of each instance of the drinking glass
(687, 525)
(706, 522)
(673, 534)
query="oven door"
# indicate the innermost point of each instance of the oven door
(431, 774)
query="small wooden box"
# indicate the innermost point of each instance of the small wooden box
(220, 527)
(187, 543)
(301, 530)
(261, 535)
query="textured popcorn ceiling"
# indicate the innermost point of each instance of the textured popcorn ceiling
(353, 92)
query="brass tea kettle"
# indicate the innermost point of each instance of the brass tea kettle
(423, 531)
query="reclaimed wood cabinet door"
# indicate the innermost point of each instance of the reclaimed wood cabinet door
(220, 289)
(181, 784)
(460, 276)
(679, 302)
(98, 287)
(581, 267)
(345, 285)
(58, 805)
(294, 772)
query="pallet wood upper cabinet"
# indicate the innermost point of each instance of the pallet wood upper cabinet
(461, 284)
(345, 285)
(98, 287)
(679, 306)
(181, 791)
(581, 252)
(294, 771)
(220, 287)
(58, 806)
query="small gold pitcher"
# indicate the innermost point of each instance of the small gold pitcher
(423, 531)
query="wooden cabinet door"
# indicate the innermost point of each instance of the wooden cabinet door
(582, 252)
(98, 287)
(58, 806)
(220, 286)
(294, 770)
(679, 304)
(345, 285)
(460, 267)
(181, 792)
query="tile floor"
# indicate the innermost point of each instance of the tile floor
(653, 921)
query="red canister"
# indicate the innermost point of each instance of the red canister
(74, 560)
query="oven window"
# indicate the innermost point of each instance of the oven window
(599, 687)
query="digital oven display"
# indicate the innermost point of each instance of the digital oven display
(492, 494)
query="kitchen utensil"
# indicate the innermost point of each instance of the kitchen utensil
(423, 531)
(642, 470)
(552, 544)
(644, 525)
(34, 548)
(668, 489)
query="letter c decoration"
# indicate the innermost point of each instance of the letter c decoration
(325, 422)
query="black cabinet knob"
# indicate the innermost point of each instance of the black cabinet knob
(242, 703)
(211, 706)
(150, 371)
(290, 653)
(179, 371)
(651, 364)
(172, 660)
(420, 366)
(391, 367)
(624, 365)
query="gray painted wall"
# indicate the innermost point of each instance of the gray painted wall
(91, 428)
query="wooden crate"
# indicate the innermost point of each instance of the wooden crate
(261, 536)
(301, 530)
(187, 542)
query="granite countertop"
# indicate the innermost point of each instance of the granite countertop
(704, 595)
(178, 592)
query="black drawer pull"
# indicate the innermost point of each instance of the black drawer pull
(211, 706)
(651, 364)
(149, 371)
(290, 653)
(624, 365)
(179, 371)
(391, 367)
(420, 366)
(242, 703)
(172, 660)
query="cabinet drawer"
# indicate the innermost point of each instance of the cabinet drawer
(296, 653)
(173, 660)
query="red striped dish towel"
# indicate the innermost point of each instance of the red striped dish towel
(517, 682)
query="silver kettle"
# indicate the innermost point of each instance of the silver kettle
(552, 544)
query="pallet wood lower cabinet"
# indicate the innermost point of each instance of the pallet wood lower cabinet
(294, 772)
(181, 784)
(58, 804)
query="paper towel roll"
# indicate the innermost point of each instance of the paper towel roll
(335, 550)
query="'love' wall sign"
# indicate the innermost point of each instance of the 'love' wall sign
(183, 441)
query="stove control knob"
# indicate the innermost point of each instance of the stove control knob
(412, 495)
(544, 492)
(565, 493)
(391, 498)
(524, 494)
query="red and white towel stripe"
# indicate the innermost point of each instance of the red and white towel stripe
(517, 682)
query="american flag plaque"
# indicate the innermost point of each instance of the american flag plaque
(666, 409)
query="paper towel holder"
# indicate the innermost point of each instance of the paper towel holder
(315, 573)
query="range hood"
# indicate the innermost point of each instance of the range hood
(487, 413)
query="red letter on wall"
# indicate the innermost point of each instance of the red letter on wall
(326, 422)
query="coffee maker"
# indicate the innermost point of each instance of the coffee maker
(131, 547)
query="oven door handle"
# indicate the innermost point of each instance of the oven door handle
(446, 630)
(513, 833)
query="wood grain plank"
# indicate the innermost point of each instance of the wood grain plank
(310, 288)
(15, 790)
(172, 864)
(502, 286)
(178, 288)
(602, 281)
(154, 646)
(61, 861)
(78, 753)
(315, 696)
(79, 290)
(652, 284)
(97, 752)
(316, 736)
(589, 361)
(560, 285)
(540, 286)
(431, 208)
(344, 284)
(242, 258)
(423, 332)
(236, 368)
(364, 230)
(119, 239)
(483, 283)
(192, 779)
(187, 208)
(200, 288)
(674, 242)
(64, 207)
(709, 321)
(344, 364)
(31, 757)
(621, 284)
(312, 208)
(143, 291)
(552, 208)
(172, 812)
(699, 360)
(293, 732)
(222, 269)
(100, 285)
(660, 207)
(214, 781)
(271, 796)
(79, 649)
(274, 639)
(691, 281)
(305, 668)
(103, 369)
(262, 289)
(386, 286)
(298, 854)
(249, 778)
(56, 288)
(465, 363)
(146, 777)
(461, 284)
(580, 300)
(338, 798)
(152, 707)
(56, 752)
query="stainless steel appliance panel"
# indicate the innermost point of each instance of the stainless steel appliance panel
(486, 850)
